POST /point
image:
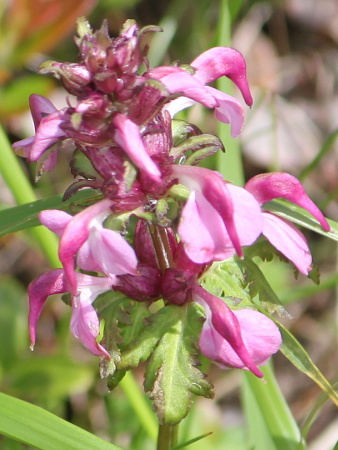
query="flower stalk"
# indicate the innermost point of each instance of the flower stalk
(167, 437)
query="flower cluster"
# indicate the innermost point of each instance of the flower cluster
(120, 126)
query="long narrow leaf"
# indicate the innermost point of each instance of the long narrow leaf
(296, 353)
(274, 410)
(301, 217)
(26, 216)
(34, 426)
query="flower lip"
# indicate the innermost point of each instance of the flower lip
(268, 186)
(223, 61)
(241, 339)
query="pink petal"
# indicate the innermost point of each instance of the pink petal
(223, 61)
(267, 186)
(229, 110)
(76, 234)
(247, 215)
(24, 147)
(179, 81)
(55, 220)
(203, 232)
(50, 283)
(260, 335)
(214, 189)
(221, 321)
(177, 105)
(288, 240)
(127, 135)
(108, 252)
(47, 134)
(47, 162)
(85, 324)
(40, 107)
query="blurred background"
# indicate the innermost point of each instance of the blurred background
(292, 57)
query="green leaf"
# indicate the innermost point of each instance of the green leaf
(328, 144)
(171, 375)
(26, 216)
(142, 346)
(138, 315)
(34, 426)
(191, 441)
(299, 357)
(81, 165)
(13, 321)
(226, 279)
(314, 412)
(299, 216)
(198, 148)
(261, 287)
(181, 130)
(275, 426)
(50, 378)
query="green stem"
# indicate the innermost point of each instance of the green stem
(167, 437)
(228, 164)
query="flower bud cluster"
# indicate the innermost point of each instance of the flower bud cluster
(120, 125)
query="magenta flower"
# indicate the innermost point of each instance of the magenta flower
(210, 65)
(47, 121)
(128, 137)
(280, 233)
(84, 239)
(242, 339)
(218, 218)
(84, 322)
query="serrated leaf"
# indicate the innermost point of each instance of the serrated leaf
(260, 286)
(110, 307)
(139, 313)
(299, 216)
(26, 216)
(226, 279)
(298, 356)
(141, 347)
(171, 375)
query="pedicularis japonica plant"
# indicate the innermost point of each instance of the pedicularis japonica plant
(160, 268)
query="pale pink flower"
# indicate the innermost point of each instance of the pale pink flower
(218, 218)
(242, 339)
(84, 322)
(280, 233)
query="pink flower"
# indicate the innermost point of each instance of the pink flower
(242, 339)
(218, 218)
(86, 241)
(210, 65)
(84, 322)
(282, 234)
(47, 121)
(127, 136)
